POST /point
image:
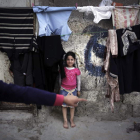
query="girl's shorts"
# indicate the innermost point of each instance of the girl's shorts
(68, 92)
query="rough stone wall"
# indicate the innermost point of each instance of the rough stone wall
(93, 86)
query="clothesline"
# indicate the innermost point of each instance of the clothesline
(131, 6)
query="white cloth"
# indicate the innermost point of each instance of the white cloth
(99, 13)
(105, 3)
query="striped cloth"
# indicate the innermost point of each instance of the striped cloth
(16, 31)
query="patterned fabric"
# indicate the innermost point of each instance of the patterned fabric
(112, 80)
(69, 82)
(125, 39)
(113, 89)
(112, 45)
(16, 31)
(124, 17)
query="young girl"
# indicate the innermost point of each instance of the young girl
(70, 86)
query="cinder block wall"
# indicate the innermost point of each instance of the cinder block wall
(90, 60)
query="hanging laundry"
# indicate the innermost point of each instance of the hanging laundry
(38, 70)
(16, 30)
(113, 85)
(127, 65)
(52, 55)
(99, 13)
(22, 70)
(105, 3)
(126, 16)
(117, 4)
(53, 20)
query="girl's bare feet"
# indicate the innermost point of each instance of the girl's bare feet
(72, 123)
(65, 125)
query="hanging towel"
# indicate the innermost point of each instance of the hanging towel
(124, 17)
(16, 30)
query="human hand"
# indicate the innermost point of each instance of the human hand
(78, 93)
(72, 100)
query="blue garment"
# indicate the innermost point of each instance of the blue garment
(53, 20)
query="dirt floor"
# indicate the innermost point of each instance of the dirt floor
(23, 127)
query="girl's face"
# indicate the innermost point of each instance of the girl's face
(70, 61)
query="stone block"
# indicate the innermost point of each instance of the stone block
(41, 2)
(12, 3)
(92, 96)
(80, 111)
(102, 111)
(136, 110)
(79, 2)
(132, 98)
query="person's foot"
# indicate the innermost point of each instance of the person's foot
(72, 124)
(65, 125)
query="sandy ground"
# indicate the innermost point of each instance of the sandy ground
(18, 128)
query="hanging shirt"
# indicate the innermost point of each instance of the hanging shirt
(22, 69)
(52, 53)
(99, 13)
(53, 20)
(127, 65)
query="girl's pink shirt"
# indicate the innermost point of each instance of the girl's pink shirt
(69, 82)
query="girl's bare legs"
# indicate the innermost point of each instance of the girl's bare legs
(64, 111)
(72, 117)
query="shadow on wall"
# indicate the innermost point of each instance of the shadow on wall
(94, 51)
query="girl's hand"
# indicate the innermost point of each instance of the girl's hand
(78, 93)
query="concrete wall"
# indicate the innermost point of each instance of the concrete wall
(90, 61)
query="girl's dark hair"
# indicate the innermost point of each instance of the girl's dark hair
(70, 54)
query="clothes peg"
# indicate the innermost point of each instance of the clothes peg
(36, 34)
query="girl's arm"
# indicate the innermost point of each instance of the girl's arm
(59, 79)
(78, 84)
